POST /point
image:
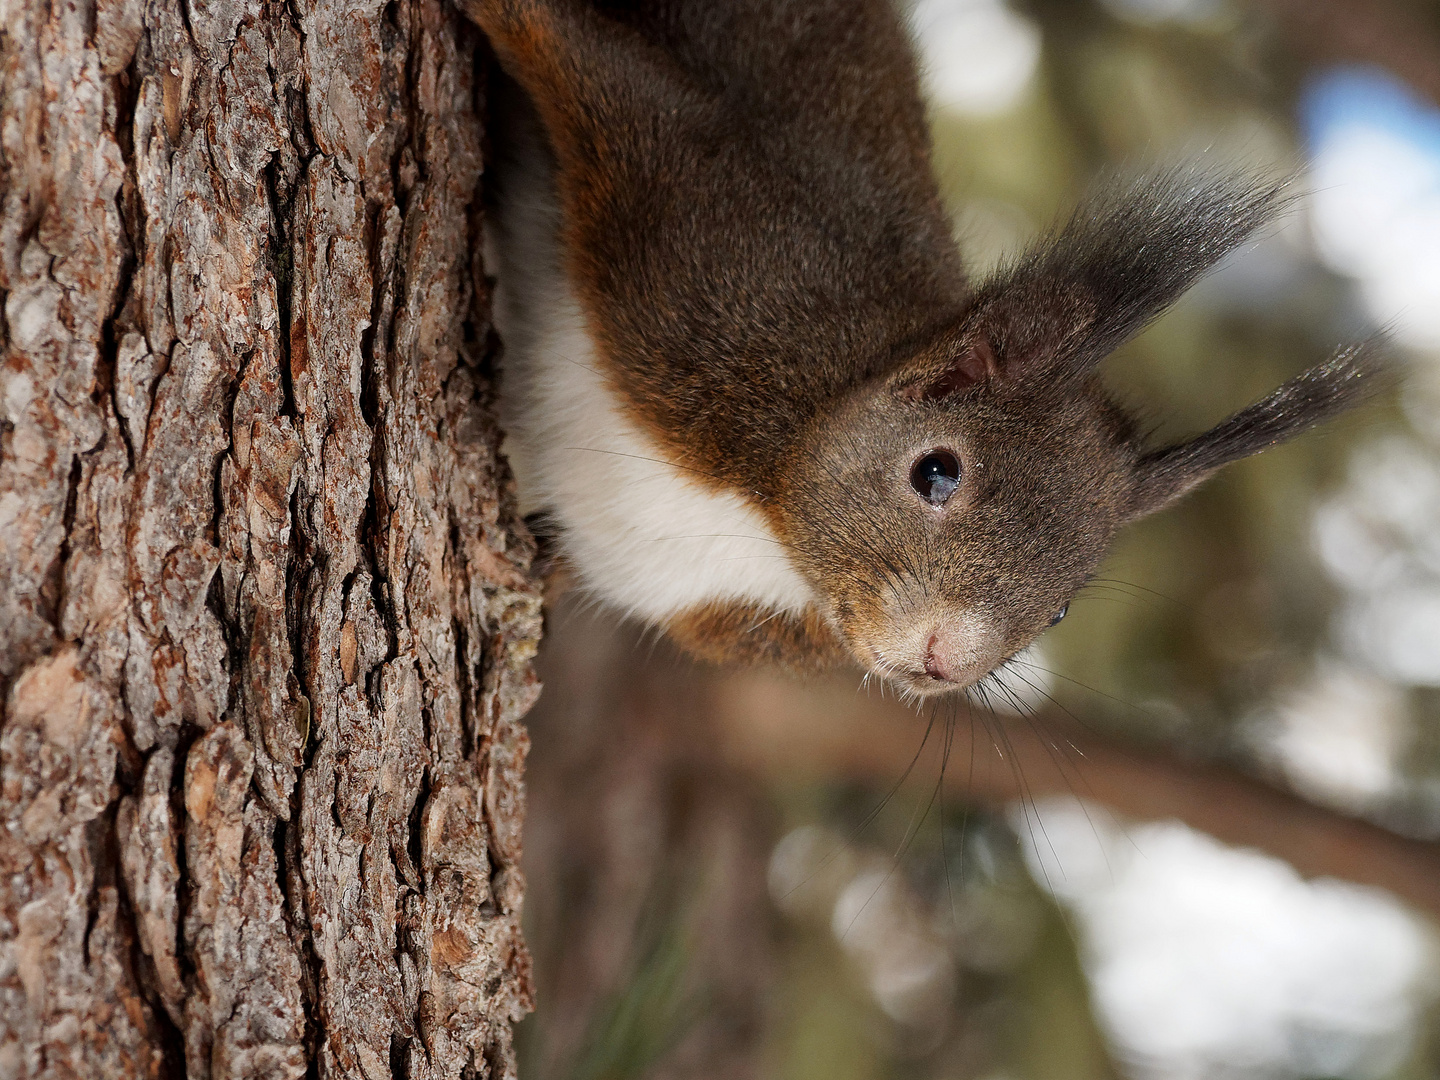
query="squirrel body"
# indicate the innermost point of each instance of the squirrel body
(746, 379)
(646, 535)
(646, 538)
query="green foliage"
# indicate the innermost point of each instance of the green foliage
(653, 1009)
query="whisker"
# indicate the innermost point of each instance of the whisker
(762, 622)
(944, 856)
(1077, 682)
(876, 810)
(1142, 588)
(722, 536)
(661, 461)
(907, 838)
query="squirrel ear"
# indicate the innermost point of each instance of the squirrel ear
(1349, 377)
(1125, 255)
(968, 366)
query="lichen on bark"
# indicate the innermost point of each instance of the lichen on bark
(266, 612)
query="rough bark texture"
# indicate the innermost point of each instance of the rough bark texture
(266, 617)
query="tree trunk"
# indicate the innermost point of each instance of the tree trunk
(266, 613)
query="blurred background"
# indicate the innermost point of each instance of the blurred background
(1203, 840)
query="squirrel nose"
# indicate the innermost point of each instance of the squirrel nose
(960, 648)
(940, 661)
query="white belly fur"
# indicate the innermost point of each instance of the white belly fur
(641, 534)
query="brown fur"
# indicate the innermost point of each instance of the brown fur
(751, 224)
(746, 633)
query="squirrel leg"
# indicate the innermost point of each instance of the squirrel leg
(727, 633)
(589, 76)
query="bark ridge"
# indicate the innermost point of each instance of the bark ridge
(266, 612)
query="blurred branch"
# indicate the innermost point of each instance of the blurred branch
(777, 726)
(1381, 32)
(647, 908)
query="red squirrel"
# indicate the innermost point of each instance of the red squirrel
(746, 379)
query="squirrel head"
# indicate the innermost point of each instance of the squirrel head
(948, 510)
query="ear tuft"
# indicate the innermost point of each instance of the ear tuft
(1349, 377)
(1126, 254)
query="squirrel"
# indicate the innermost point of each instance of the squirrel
(746, 380)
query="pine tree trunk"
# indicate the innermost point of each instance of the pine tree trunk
(266, 614)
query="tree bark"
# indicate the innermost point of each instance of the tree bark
(266, 612)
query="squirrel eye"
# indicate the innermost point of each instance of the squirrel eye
(1060, 614)
(935, 476)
